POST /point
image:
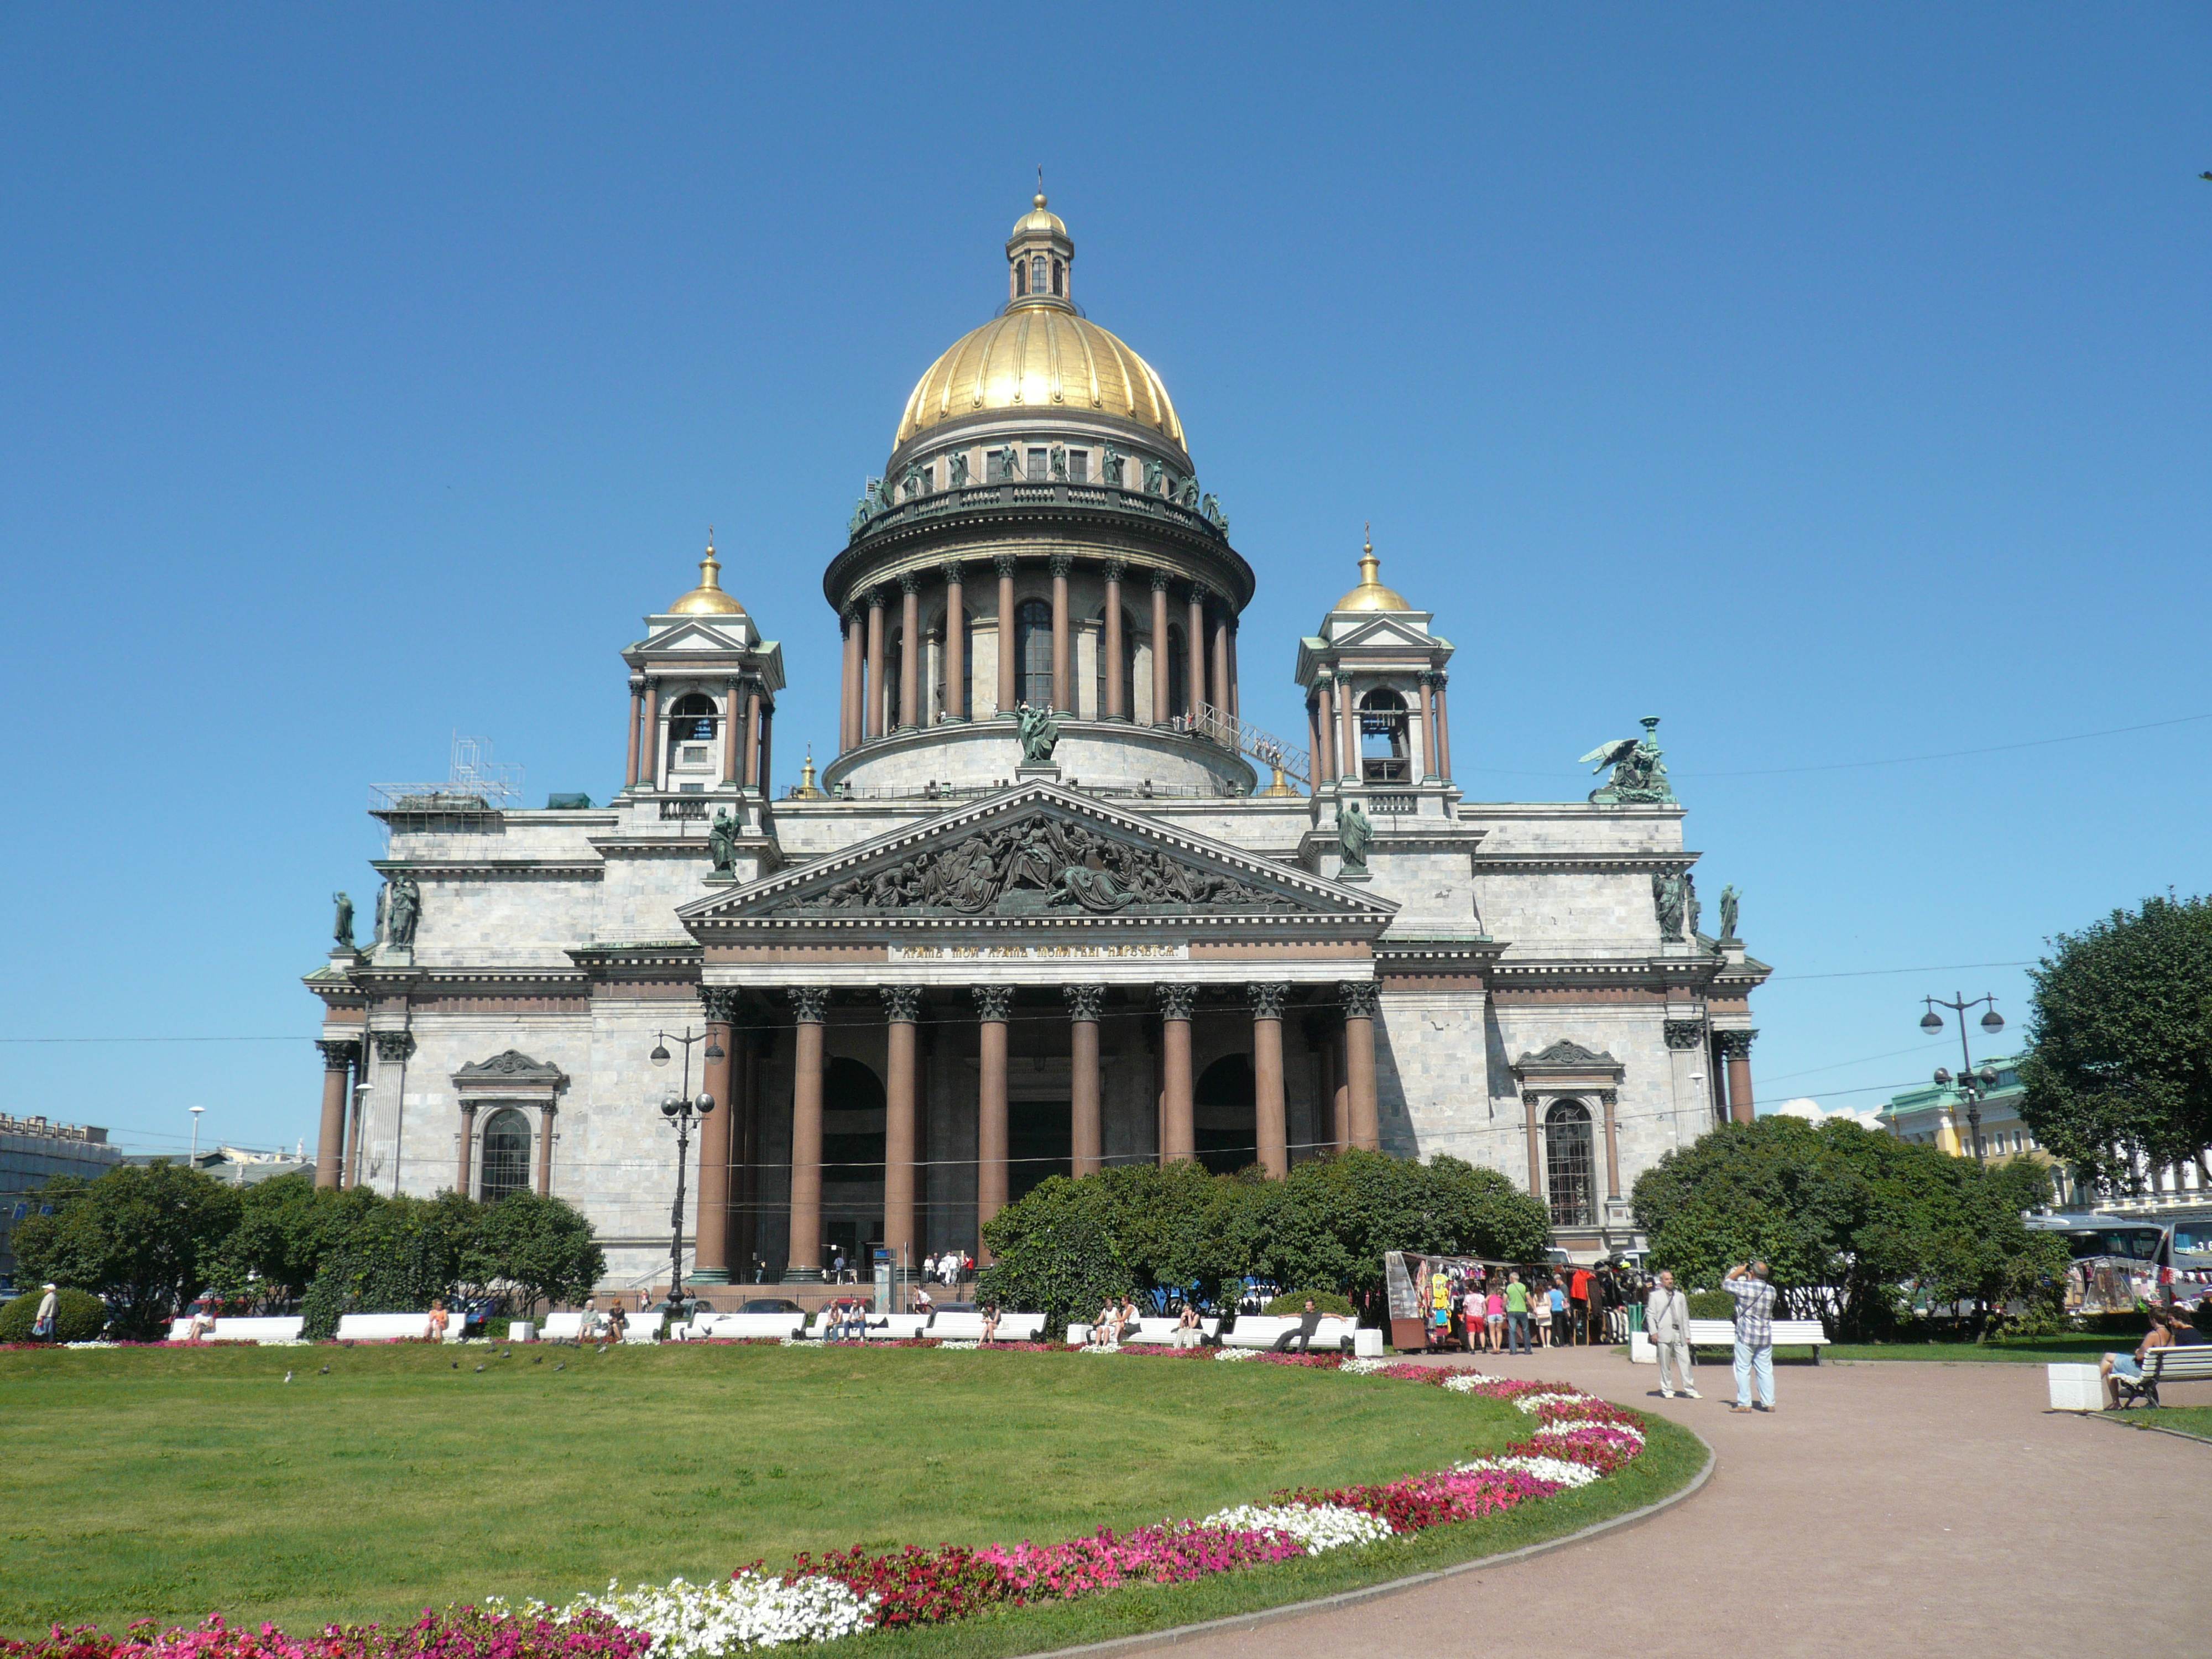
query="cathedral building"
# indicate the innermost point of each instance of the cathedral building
(1055, 904)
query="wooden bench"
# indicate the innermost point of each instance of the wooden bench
(1787, 1334)
(968, 1326)
(1334, 1333)
(2190, 1365)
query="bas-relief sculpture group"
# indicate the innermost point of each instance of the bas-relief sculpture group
(1041, 863)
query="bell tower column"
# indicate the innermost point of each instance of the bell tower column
(875, 704)
(1161, 713)
(910, 708)
(1005, 566)
(1117, 693)
(1063, 680)
(1194, 648)
(956, 640)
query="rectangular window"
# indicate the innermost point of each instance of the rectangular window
(1037, 465)
(694, 755)
(1079, 466)
(691, 789)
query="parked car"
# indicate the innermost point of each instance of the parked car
(770, 1304)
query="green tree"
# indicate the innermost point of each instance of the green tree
(2119, 1069)
(286, 1228)
(1857, 1216)
(145, 1237)
(540, 1246)
(1053, 1257)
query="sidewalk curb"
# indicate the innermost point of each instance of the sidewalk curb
(1177, 1635)
(2141, 1427)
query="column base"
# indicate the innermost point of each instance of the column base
(709, 1276)
(804, 1276)
(1026, 773)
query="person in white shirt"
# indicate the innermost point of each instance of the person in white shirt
(1666, 1323)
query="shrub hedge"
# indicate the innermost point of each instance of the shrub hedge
(79, 1317)
(1290, 1306)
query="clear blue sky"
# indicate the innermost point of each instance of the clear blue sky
(1831, 384)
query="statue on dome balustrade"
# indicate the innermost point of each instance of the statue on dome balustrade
(957, 470)
(342, 928)
(1109, 467)
(1056, 463)
(1155, 477)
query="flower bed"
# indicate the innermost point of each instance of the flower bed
(1576, 1440)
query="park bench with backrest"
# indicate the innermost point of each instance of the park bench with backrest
(1787, 1334)
(285, 1330)
(389, 1327)
(968, 1326)
(1163, 1331)
(2190, 1364)
(742, 1325)
(1334, 1333)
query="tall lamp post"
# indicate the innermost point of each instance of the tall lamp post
(193, 1157)
(683, 1111)
(1972, 1085)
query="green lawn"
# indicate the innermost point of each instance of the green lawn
(2029, 1350)
(2189, 1419)
(169, 1483)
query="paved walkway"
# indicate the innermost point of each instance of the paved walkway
(1891, 1507)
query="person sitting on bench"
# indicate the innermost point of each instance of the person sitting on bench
(2130, 1365)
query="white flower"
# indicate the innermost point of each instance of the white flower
(1468, 1381)
(1099, 1347)
(701, 1621)
(1362, 1367)
(1626, 1430)
(1555, 1470)
(948, 1346)
(1532, 1403)
(1236, 1353)
(1317, 1527)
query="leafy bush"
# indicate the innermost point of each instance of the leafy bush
(145, 1234)
(1053, 1259)
(1711, 1304)
(1328, 1301)
(78, 1316)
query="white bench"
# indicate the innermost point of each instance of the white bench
(741, 1326)
(389, 1327)
(968, 1326)
(1163, 1331)
(1333, 1333)
(563, 1328)
(1787, 1334)
(2190, 1364)
(272, 1329)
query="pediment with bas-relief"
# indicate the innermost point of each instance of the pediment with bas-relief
(1039, 850)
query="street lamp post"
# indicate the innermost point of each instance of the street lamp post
(194, 1158)
(681, 1110)
(1972, 1084)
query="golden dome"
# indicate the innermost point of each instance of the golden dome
(1037, 219)
(1370, 594)
(708, 599)
(1040, 358)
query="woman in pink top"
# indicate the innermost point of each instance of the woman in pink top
(1470, 1313)
(1494, 1318)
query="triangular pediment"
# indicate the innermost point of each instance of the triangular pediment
(695, 634)
(1038, 850)
(1386, 633)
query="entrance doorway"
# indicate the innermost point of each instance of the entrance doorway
(1040, 1143)
(1227, 1119)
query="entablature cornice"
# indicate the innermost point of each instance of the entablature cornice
(570, 868)
(1655, 973)
(1581, 862)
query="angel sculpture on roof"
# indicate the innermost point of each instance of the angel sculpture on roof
(1639, 777)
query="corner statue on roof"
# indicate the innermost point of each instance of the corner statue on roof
(1058, 904)
(1639, 777)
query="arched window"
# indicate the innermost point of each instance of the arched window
(1383, 738)
(1033, 648)
(1225, 1119)
(506, 1155)
(1057, 277)
(1036, 275)
(1178, 676)
(1567, 1164)
(691, 718)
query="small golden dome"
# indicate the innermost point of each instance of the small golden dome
(708, 599)
(1037, 219)
(1040, 358)
(1370, 594)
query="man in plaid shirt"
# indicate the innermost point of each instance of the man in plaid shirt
(1755, 1332)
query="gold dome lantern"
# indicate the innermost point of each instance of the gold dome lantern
(1370, 594)
(708, 599)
